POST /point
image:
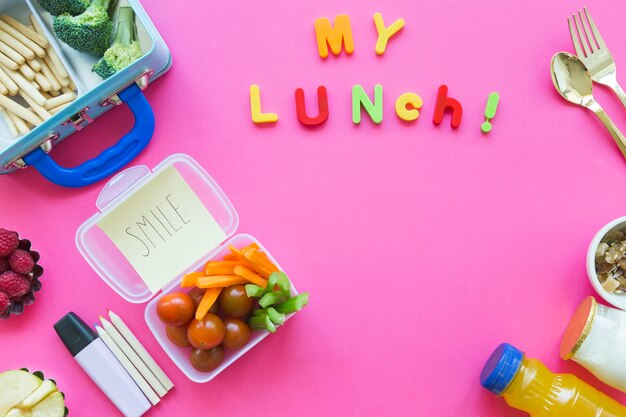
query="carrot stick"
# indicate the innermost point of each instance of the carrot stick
(244, 272)
(220, 267)
(207, 301)
(230, 257)
(220, 281)
(259, 258)
(191, 279)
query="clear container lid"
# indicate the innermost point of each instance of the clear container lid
(105, 257)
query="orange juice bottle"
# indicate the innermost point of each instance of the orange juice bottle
(526, 384)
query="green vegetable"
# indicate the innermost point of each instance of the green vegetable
(57, 7)
(293, 304)
(253, 290)
(284, 284)
(88, 32)
(272, 282)
(276, 317)
(261, 322)
(271, 298)
(125, 48)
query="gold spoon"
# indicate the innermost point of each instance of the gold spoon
(573, 81)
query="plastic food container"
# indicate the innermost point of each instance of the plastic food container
(596, 339)
(107, 260)
(95, 96)
(617, 300)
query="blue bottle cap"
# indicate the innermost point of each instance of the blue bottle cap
(501, 368)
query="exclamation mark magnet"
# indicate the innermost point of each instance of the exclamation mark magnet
(490, 111)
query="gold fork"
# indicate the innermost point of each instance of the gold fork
(592, 51)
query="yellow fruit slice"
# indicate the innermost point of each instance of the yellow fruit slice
(46, 388)
(52, 406)
(15, 386)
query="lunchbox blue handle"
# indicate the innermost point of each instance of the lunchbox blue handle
(111, 160)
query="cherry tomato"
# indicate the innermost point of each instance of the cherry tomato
(175, 309)
(178, 335)
(196, 295)
(237, 334)
(207, 333)
(235, 302)
(207, 360)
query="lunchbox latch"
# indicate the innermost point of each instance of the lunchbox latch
(80, 120)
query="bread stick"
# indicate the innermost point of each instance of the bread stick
(26, 31)
(57, 101)
(56, 61)
(20, 111)
(41, 112)
(25, 85)
(8, 82)
(21, 38)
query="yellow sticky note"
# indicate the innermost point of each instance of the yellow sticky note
(162, 229)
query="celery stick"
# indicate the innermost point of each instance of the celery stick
(276, 317)
(261, 322)
(253, 290)
(271, 298)
(284, 285)
(293, 304)
(271, 283)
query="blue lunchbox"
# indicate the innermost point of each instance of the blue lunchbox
(94, 96)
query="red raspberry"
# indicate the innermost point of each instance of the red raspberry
(8, 242)
(4, 303)
(4, 265)
(21, 261)
(14, 285)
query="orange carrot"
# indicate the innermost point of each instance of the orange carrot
(259, 258)
(220, 267)
(220, 281)
(190, 279)
(207, 301)
(230, 257)
(244, 272)
(252, 245)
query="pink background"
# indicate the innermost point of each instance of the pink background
(422, 247)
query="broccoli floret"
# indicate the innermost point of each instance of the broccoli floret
(88, 32)
(57, 7)
(125, 48)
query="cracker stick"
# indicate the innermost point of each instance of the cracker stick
(58, 109)
(41, 112)
(8, 62)
(35, 85)
(27, 72)
(8, 82)
(25, 30)
(25, 85)
(43, 82)
(10, 123)
(56, 61)
(11, 53)
(46, 71)
(3, 90)
(20, 111)
(19, 123)
(57, 101)
(21, 38)
(14, 44)
(35, 64)
(47, 62)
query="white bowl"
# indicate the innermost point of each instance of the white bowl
(617, 300)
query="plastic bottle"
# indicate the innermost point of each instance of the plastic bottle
(528, 385)
(596, 339)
